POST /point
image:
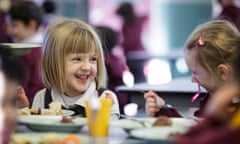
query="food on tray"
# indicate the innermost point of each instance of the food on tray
(32, 111)
(55, 108)
(48, 138)
(16, 139)
(66, 120)
(49, 112)
(162, 121)
(70, 139)
(35, 111)
(25, 111)
(174, 134)
(53, 138)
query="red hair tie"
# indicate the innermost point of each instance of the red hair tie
(200, 41)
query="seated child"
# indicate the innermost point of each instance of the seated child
(24, 26)
(115, 65)
(209, 53)
(11, 74)
(73, 67)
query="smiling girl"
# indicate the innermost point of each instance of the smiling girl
(73, 67)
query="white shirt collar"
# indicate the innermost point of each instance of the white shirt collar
(56, 96)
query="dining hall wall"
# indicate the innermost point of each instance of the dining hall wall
(173, 21)
(73, 8)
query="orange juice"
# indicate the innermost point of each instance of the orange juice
(98, 124)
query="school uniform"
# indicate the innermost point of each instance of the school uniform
(4, 36)
(172, 112)
(210, 131)
(231, 13)
(115, 68)
(132, 35)
(31, 62)
(132, 42)
(41, 100)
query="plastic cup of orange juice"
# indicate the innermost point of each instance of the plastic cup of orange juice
(98, 121)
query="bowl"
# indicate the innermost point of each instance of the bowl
(21, 48)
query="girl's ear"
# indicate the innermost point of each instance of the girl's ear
(223, 71)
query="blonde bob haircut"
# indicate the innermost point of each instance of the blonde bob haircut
(69, 36)
(220, 44)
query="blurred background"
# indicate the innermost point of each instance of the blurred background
(168, 24)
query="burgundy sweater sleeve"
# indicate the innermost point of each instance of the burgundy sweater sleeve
(32, 82)
(172, 112)
(169, 112)
(203, 103)
(209, 131)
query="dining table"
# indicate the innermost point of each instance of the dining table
(128, 129)
(117, 135)
(177, 92)
(178, 89)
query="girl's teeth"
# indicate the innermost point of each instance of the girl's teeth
(83, 77)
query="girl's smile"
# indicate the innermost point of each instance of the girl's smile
(81, 70)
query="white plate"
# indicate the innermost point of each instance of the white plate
(22, 48)
(35, 138)
(65, 112)
(128, 124)
(51, 123)
(157, 133)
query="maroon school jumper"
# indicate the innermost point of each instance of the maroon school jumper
(231, 13)
(4, 37)
(32, 82)
(115, 67)
(210, 131)
(172, 112)
(132, 35)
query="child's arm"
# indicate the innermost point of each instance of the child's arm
(151, 107)
(23, 100)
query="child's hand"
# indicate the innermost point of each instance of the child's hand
(109, 96)
(151, 106)
(23, 100)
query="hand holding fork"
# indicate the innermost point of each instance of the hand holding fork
(154, 103)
